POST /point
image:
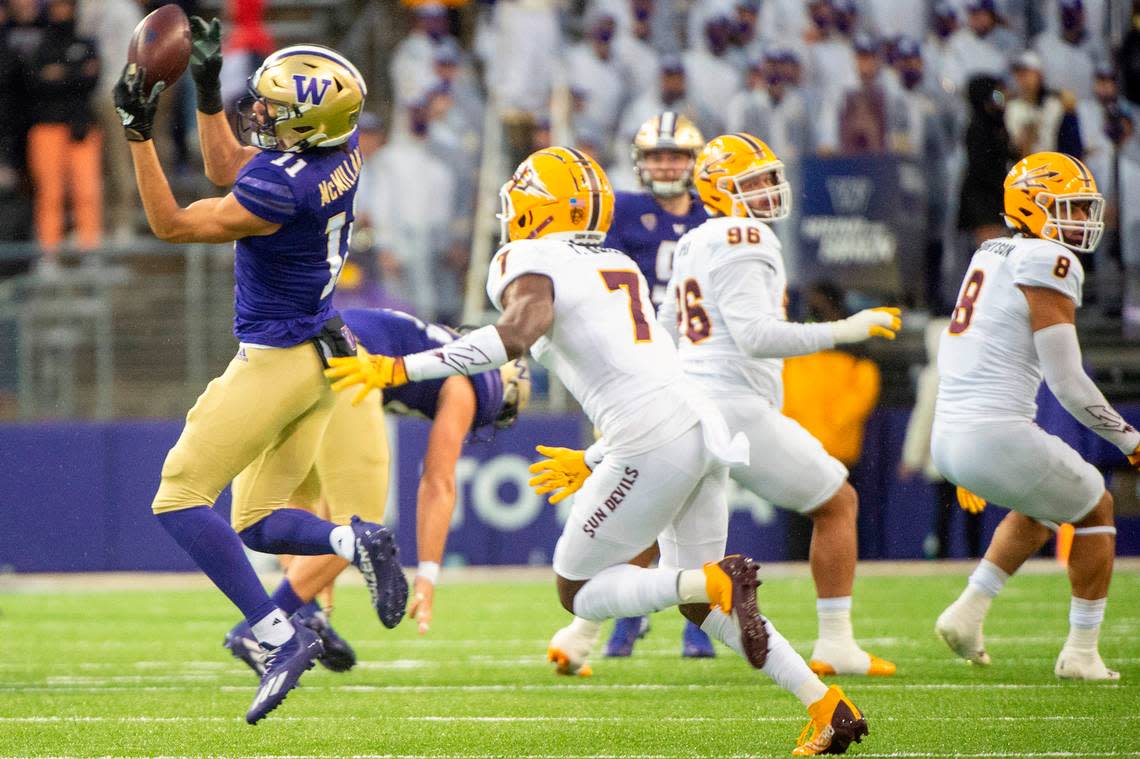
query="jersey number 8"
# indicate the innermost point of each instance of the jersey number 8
(964, 311)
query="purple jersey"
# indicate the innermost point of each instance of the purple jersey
(283, 282)
(394, 333)
(647, 233)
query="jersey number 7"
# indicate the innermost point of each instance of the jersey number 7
(625, 279)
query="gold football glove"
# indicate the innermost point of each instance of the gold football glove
(887, 331)
(368, 371)
(974, 504)
(562, 472)
(1134, 458)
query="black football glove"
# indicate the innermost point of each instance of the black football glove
(136, 110)
(206, 62)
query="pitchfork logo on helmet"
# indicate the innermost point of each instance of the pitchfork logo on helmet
(1054, 196)
(302, 97)
(557, 192)
(738, 175)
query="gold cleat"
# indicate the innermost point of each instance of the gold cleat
(835, 724)
(564, 665)
(877, 668)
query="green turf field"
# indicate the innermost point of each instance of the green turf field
(142, 673)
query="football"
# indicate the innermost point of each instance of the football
(161, 45)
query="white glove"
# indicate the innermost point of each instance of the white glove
(871, 322)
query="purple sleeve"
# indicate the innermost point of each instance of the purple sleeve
(265, 193)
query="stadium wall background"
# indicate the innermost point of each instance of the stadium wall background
(75, 496)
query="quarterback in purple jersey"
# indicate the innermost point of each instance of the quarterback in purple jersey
(646, 228)
(648, 224)
(260, 423)
(456, 406)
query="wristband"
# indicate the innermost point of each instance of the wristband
(429, 570)
(475, 352)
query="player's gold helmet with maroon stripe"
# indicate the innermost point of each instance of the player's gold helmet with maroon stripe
(557, 192)
(1054, 196)
(738, 175)
(301, 97)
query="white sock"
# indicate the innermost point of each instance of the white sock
(784, 665)
(835, 620)
(988, 578)
(692, 586)
(343, 542)
(986, 582)
(587, 628)
(1085, 618)
(273, 629)
(626, 591)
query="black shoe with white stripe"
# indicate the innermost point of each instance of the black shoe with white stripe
(379, 561)
(283, 669)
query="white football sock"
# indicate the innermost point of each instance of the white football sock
(835, 620)
(786, 668)
(273, 629)
(585, 627)
(692, 586)
(343, 542)
(1085, 618)
(626, 591)
(984, 584)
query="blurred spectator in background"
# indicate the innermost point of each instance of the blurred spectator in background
(246, 42)
(372, 137)
(916, 459)
(1069, 56)
(829, 59)
(64, 143)
(411, 206)
(11, 137)
(111, 23)
(411, 64)
(633, 49)
(988, 158)
(713, 79)
(983, 46)
(670, 94)
(746, 44)
(527, 46)
(785, 23)
(831, 393)
(593, 69)
(937, 53)
(864, 117)
(774, 107)
(1033, 113)
(1104, 125)
(1129, 56)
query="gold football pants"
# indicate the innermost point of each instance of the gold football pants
(261, 422)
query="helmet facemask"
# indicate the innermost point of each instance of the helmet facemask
(777, 195)
(667, 188)
(1080, 235)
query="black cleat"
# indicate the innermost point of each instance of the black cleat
(379, 561)
(731, 584)
(283, 669)
(338, 655)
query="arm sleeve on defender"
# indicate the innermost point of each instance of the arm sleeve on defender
(1060, 356)
(743, 295)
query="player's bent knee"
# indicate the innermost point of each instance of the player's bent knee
(567, 590)
(1101, 515)
(843, 505)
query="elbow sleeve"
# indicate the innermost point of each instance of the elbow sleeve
(1060, 357)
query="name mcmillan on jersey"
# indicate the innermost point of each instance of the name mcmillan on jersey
(342, 178)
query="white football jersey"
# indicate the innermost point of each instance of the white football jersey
(987, 361)
(708, 351)
(604, 345)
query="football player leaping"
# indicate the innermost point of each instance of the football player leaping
(1013, 324)
(582, 310)
(289, 212)
(726, 303)
(646, 228)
